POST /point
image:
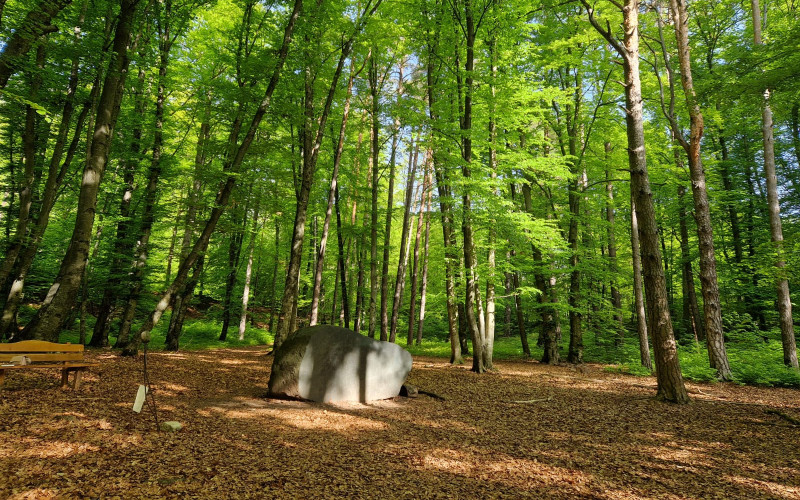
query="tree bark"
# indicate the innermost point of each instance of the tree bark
(399, 282)
(670, 385)
(445, 211)
(691, 312)
(123, 244)
(616, 296)
(332, 197)
(424, 285)
(415, 274)
(248, 273)
(234, 252)
(775, 226)
(313, 141)
(708, 264)
(46, 325)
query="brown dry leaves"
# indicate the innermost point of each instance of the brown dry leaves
(585, 434)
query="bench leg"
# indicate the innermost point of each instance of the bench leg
(76, 382)
(2, 377)
(64, 378)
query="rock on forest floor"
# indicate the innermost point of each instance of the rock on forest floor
(525, 430)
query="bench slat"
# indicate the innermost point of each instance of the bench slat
(36, 357)
(67, 366)
(27, 346)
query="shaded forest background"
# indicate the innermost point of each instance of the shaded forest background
(434, 173)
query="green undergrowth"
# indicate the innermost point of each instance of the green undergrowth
(754, 359)
(202, 333)
(752, 363)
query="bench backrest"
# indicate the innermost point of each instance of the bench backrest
(41, 351)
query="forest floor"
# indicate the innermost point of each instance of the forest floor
(525, 430)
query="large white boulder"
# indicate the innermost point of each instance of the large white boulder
(329, 363)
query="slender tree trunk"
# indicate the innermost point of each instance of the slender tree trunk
(670, 385)
(182, 298)
(273, 282)
(28, 186)
(181, 306)
(776, 229)
(547, 298)
(708, 264)
(234, 252)
(165, 43)
(47, 323)
(387, 228)
(412, 301)
(424, 286)
(616, 296)
(310, 156)
(446, 212)
(375, 150)
(691, 312)
(733, 215)
(470, 259)
(399, 282)
(123, 244)
(332, 197)
(248, 273)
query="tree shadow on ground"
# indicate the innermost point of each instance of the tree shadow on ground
(587, 436)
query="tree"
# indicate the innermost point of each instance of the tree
(670, 380)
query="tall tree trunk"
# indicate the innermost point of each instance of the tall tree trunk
(181, 306)
(616, 296)
(424, 285)
(670, 385)
(47, 323)
(29, 175)
(273, 282)
(165, 44)
(708, 264)
(547, 297)
(332, 198)
(446, 212)
(123, 244)
(490, 322)
(415, 274)
(387, 228)
(399, 282)
(182, 298)
(776, 229)
(234, 252)
(470, 258)
(248, 272)
(375, 150)
(733, 215)
(691, 312)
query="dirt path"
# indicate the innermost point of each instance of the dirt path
(527, 430)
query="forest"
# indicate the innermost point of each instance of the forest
(607, 181)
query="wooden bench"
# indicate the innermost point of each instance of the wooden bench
(65, 357)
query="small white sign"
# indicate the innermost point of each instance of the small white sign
(139, 402)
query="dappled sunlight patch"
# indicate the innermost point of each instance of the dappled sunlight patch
(34, 494)
(30, 448)
(164, 387)
(309, 418)
(501, 468)
(762, 487)
(527, 430)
